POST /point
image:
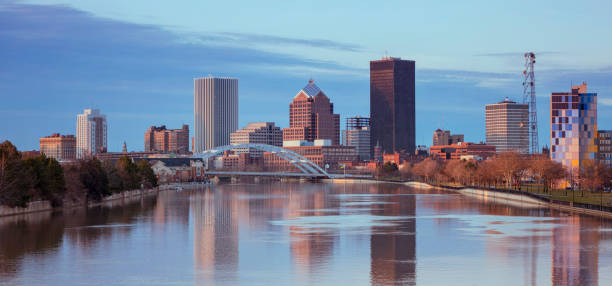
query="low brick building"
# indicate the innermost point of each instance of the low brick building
(60, 147)
(456, 151)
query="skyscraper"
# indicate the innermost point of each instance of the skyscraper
(311, 117)
(357, 134)
(160, 139)
(507, 126)
(215, 111)
(573, 126)
(91, 133)
(392, 111)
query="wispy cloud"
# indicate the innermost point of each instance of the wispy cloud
(514, 54)
(226, 38)
(605, 101)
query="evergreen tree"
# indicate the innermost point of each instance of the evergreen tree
(147, 175)
(14, 183)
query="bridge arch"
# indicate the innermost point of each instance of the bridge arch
(306, 166)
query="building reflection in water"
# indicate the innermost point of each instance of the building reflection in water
(575, 252)
(393, 248)
(311, 248)
(215, 220)
(558, 248)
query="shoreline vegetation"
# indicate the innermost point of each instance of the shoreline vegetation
(47, 184)
(41, 179)
(534, 176)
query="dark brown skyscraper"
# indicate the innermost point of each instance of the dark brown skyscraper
(392, 104)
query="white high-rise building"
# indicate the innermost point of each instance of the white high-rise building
(91, 133)
(507, 126)
(215, 111)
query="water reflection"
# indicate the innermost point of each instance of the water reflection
(393, 249)
(39, 234)
(284, 233)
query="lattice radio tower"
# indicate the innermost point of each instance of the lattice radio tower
(529, 97)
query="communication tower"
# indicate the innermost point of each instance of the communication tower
(529, 97)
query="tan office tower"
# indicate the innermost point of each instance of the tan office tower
(507, 126)
(215, 111)
(444, 137)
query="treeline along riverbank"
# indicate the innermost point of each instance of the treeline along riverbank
(44, 180)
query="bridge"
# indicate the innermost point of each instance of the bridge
(308, 169)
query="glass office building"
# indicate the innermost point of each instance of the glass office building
(573, 126)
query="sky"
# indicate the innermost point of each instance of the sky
(136, 60)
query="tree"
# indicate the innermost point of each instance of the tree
(455, 170)
(547, 171)
(387, 169)
(14, 186)
(94, 179)
(115, 183)
(148, 178)
(511, 166)
(47, 178)
(428, 169)
(593, 175)
(128, 171)
(75, 190)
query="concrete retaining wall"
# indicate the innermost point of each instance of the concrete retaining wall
(497, 196)
(40, 206)
(31, 207)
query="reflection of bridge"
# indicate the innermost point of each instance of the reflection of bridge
(308, 168)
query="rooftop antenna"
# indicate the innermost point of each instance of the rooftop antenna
(386, 54)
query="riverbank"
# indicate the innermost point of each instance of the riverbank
(42, 206)
(516, 198)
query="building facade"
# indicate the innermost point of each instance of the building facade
(392, 110)
(357, 134)
(573, 127)
(311, 117)
(215, 111)
(160, 139)
(507, 126)
(323, 155)
(462, 149)
(444, 137)
(91, 135)
(257, 133)
(60, 147)
(604, 147)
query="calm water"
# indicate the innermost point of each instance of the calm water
(302, 234)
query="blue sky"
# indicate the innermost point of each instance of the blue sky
(136, 60)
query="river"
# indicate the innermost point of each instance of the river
(305, 234)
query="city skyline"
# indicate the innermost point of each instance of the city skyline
(137, 98)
